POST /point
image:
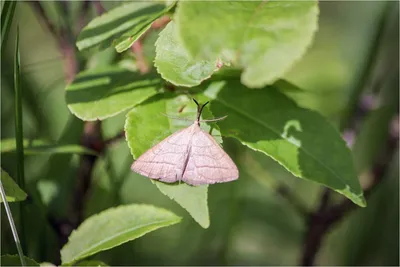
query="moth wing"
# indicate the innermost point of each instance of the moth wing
(208, 163)
(165, 160)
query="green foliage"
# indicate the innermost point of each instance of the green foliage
(210, 51)
(121, 26)
(13, 260)
(12, 190)
(114, 227)
(264, 38)
(102, 93)
(191, 198)
(293, 136)
(176, 65)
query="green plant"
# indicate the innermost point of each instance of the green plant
(140, 59)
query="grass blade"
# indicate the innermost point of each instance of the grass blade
(18, 117)
(19, 133)
(7, 13)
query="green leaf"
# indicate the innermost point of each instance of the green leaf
(264, 38)
(102, 93)
(43, 147)
(300, 140)
(121, 26)
(145, 127)
(175, 64)
(191, 198)
(13, 260)
(114, 227)
(13, 191)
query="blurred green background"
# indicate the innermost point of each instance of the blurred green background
(250, 223)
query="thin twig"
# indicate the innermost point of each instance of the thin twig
(92, 139)
(12, 225)
(82, 20)
(137, 49)
(118, 137)
(99, 7)
(280, 188)
(285, 192)
(161, 22)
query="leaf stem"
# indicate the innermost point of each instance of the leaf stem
(12, 225)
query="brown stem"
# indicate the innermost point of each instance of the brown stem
(118, 137)
(326, 216)
(92, 139)
(137, 49)
(321, 221)
(82, 20)
(161, 22)
(99, 7)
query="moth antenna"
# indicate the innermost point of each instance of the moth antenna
(200, 110)
(175, 117)
(215, 119)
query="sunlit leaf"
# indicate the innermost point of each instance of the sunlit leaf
(12, 190)
(264, 38)
(121, 26)
(301, 140)
(114, 227)
(175, 64)
(191, 198)
(102, 93)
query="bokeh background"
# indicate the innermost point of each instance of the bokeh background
(250, 223)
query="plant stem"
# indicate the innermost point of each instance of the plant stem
(322, 220)
(12, 224)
